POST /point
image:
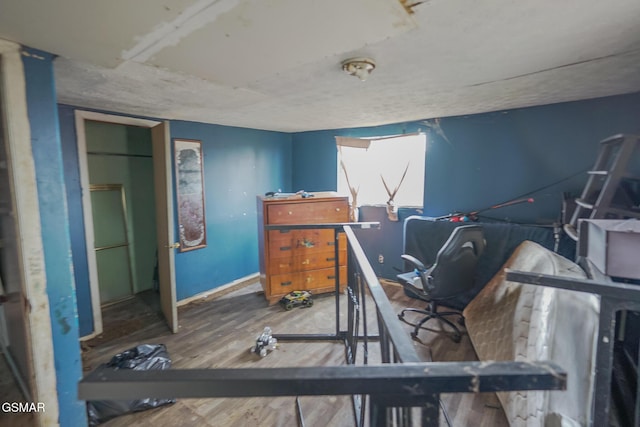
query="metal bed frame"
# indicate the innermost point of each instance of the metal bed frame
(400, 391)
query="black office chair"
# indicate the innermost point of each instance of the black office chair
(451, 275)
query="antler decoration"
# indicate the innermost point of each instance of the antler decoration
(392, 209)
(353, 207)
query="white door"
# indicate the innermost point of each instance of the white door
(164, 220)
(163, 189)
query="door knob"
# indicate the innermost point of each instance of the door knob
(174, 246)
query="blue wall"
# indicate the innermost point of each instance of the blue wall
(492, 158)
(485, 159)
(45, 141)
(74, 202)
(239, 164)
(476, 161)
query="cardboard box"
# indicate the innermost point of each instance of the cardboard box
(613, 246)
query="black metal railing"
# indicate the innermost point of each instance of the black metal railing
(384, 394)
(394, 343)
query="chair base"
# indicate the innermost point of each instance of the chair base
(431, 313)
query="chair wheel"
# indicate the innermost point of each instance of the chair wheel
(400, 316)
(414, 335)
(461, 321)
(456, 338)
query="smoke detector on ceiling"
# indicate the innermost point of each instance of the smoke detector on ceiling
(359, 67)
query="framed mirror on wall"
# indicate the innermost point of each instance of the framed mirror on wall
(192, 226)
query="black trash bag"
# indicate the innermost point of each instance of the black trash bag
(145, 357)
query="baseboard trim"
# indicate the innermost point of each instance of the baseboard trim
(221, 290)
(89, 336)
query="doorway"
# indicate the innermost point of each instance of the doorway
(125, 170)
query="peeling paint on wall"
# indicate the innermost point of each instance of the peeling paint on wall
(434, 125)
(32, 55)
(62, 321)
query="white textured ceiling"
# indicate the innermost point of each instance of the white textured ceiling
(275, 64)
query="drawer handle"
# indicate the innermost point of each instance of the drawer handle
(284, 231)
(290, 213)
(285, 248)
(331, 259)
(305, 262)
(337, 209)
(331, 277)
(285, 283)
(331, 243)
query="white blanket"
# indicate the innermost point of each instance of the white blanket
(513, 321)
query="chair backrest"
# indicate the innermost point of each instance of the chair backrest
(454, 270)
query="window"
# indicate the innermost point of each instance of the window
(368, 162)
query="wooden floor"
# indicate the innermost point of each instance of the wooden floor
(219, 333)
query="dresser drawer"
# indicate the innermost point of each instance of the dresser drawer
(296, 262)
(308, 213)
(303, 242)
(281, 284)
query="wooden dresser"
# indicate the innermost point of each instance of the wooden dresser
(296, 260)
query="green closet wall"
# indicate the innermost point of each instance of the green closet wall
(119, 154)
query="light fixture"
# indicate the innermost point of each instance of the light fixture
(359, 67)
